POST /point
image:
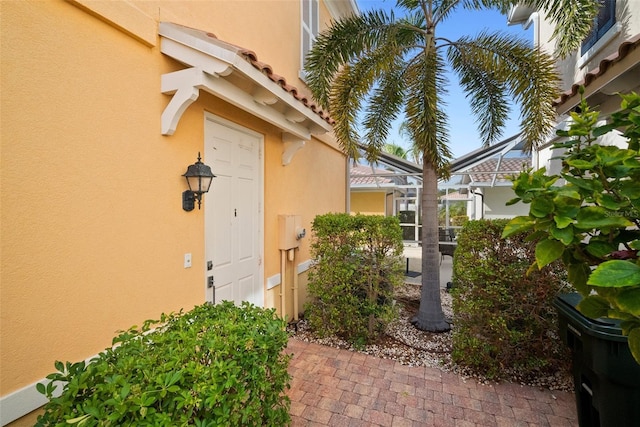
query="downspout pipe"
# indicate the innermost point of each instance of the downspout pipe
(292, 258)
(481, 195)
(283, 267)
(535, 20)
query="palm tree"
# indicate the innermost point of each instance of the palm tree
(379, 65)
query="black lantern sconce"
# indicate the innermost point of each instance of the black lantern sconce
(199, 178)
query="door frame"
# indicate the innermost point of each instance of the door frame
(260, 214)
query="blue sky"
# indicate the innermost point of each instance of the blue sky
(463, 133)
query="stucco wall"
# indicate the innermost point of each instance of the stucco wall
(93, 232)
(368, 203)
(89, 188)
(574, 67)
(495, 200)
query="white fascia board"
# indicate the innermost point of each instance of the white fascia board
(187, 46)
(195, 58)
(500, 154)
(519, 14)
(245, 101)
(185, 84)
(190, 37)
(511, 145)
(265, 83)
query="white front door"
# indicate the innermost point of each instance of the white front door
(233, 217)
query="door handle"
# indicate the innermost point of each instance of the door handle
(209, 265)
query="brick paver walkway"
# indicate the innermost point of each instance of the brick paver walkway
(332, 387)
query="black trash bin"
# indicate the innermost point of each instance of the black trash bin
(605, 374)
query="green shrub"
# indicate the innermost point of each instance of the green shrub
(503, 316)
(216, 365)
(357, 266)
(591, 220)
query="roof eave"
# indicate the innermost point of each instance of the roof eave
(213, 66)
(616, 73)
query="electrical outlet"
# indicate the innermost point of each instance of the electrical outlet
(187, 260)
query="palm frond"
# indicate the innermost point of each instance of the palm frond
(535, 87)
(396, 150)
(413, 4)
(573, 21)
(426, 120)
(476, 68)
(341, 44)
(507, 65)
(499, 5)
(383, 107)
(444, 9)
(349, 89)
(367, 70)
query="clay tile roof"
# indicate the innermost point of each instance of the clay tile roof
(484, 172)
(454, 195)
(362, 175)
(623, 50)
(267, 70)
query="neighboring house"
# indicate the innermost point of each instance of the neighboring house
(483, 177)
(104, 105)
(491, 179)
(392, 187)
(371, 191)
(608, 62)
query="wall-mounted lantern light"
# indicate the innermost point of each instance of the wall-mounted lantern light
(199, 178)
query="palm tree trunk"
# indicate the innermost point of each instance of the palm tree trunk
(430, 316)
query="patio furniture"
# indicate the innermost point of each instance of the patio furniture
(446, 248)
(446, 243)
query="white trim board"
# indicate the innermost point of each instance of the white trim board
(276, 279)
(21, 402)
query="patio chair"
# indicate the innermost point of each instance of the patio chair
(446, 244)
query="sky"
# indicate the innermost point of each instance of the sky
(463, 132)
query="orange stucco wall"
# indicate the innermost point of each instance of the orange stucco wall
(92, 229)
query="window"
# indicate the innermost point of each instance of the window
(604, 21)
(309, 27)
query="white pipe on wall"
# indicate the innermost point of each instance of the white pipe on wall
(535, 20)
(292, 258)
(283, 267)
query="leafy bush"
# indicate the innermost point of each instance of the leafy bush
(503, 316)
(591, 220)
(357, 265)
(216, 365)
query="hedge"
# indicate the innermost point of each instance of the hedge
(216, 365)
(503, 313)
(357, 265)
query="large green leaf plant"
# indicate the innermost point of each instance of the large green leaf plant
(589, 215)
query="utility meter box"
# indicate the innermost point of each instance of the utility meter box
(290, 231)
